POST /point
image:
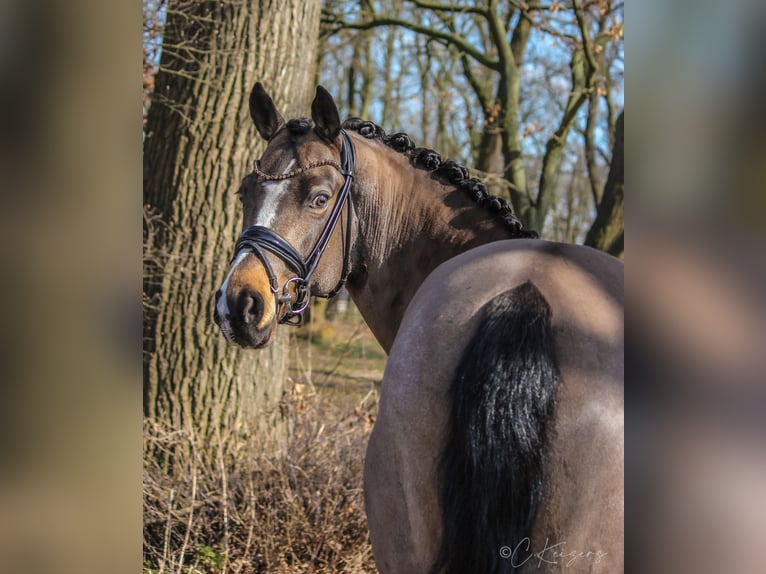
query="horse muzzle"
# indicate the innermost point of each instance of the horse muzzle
(244, 306)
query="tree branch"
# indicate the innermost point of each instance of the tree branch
(610, 115)
(586, 43)
(529, 6)
(450, 8)
(506, 63)
(519, 39)
(453, 39)
(590, 148)
(553, 148)
(481, 91)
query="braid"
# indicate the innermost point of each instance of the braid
(448, 172)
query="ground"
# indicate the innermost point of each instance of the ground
(293, 506)
(340, 361)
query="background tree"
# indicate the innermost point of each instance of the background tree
(608, 229)
(199, 143)
(531, 84)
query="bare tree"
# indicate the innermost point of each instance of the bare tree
(492, 41)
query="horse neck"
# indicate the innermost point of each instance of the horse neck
(408, 224)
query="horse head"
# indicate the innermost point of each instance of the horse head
(296, 207)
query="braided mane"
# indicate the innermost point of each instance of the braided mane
(446, 171)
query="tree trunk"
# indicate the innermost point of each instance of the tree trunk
(608, 230)
(199, 144)
(488, 156)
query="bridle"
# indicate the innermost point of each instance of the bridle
(257, 238)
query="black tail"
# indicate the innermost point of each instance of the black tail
(492, 471)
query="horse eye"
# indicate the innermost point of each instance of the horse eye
(319, 201)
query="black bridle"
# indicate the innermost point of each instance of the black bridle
(257, 238)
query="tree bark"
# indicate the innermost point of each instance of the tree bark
(199, 144)
(608, 230)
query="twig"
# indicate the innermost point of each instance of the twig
(225, 501)
(191, 516)
(168, 526)
(253, 516)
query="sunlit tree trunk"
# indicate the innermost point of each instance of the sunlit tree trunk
(199, 144)
(608, 230)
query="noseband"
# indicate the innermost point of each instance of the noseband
(256, 239)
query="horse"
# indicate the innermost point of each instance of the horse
(499, 441)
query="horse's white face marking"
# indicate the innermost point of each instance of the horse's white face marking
(222, 305)
(274, 192)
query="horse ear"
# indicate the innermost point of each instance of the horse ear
(324, 112)
(264, 113)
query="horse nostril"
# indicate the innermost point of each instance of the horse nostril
(218, 295)
(250, 306)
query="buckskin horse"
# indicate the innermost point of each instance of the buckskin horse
(499, 441)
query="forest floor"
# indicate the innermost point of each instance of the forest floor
(339, 360)
(292, 506)
(334, 373)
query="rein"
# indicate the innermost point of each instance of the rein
(257, 238)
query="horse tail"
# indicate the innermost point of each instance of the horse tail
(492, 470)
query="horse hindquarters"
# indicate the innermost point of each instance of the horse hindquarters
(492, 471)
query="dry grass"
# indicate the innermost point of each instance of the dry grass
(291, 505)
